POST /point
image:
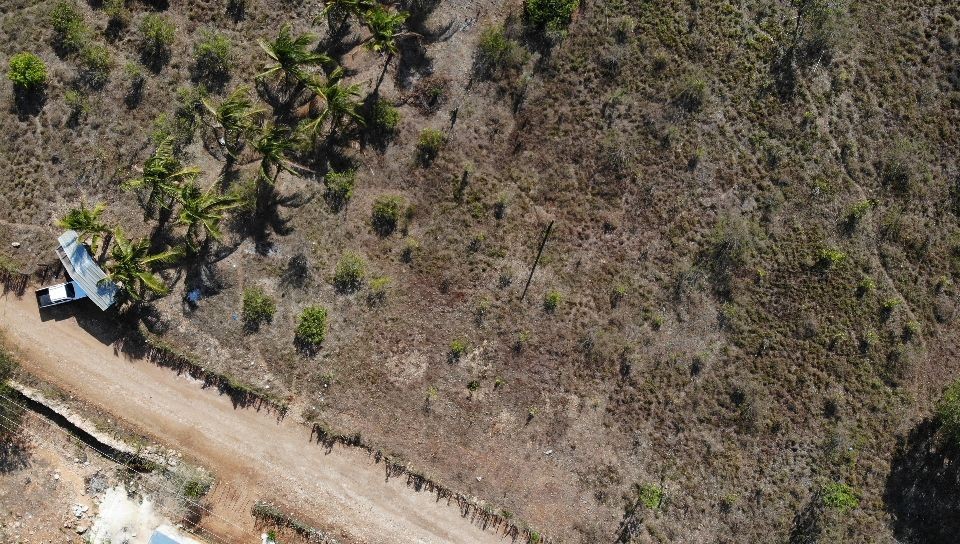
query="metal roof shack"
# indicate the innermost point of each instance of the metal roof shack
(83, 269)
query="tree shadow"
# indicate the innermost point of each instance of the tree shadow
(923, 488)
(27, 104)
(412, 63)
(264, 224)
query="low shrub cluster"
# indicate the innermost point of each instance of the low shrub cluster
(550, 15)
(386, 214)
(258, 308)
(312, 326)
(340, 188)
(350, 273)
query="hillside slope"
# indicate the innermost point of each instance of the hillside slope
(743, 314)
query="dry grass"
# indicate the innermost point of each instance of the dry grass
(739, 385)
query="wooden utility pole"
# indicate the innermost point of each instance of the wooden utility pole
(543, 242)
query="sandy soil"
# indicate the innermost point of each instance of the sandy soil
(252, 453)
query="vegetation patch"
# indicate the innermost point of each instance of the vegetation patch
(312, 326)
(258, 308)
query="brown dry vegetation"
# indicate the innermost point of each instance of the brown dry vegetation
(734, 326)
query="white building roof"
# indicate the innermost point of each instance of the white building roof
(84, 270)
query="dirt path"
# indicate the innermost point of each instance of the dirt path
(253, 455)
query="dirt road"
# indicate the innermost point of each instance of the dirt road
(253, 455)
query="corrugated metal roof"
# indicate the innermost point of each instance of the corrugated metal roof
(84, 270)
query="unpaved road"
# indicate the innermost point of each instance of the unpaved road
(252, 454)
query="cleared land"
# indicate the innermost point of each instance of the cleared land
(253, 454)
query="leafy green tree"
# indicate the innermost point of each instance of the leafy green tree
(131, 266)
(27, 72)
(87, 222)
(162, 176)
(291, 56)
(236, 116)
(203, 210)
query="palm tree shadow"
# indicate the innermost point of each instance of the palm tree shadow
(413, 63)
(270, 221)
(923, 488)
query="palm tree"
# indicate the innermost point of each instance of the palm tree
(385, 27)
(131, 266)
(162, 174)
(291, 55)
(203, 209)
(274, 144)
(86, 221)
(236, 116)
(347, 7)
(339, 101)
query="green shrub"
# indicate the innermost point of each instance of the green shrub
(523, 338)
(257, 307)
(27, 72)
(473, 385)
(350, 272)
(212, 57)
(70, 32)
(617, 294)
(551, 15)
(830, 257)
(385, 117)
(77, 102)
(156, 37)
(691, 94)
(379, 288)
(410, 247)
(312, 326)
(650, 496)
(458, 348)
(839, 496)
(386, 212)
(858, 211)
(136, 81)
(948, 413)
(866, 285)
(552, 300)
(496, 53)
(95, 65)
(900, 166)
(340, 188)
(196, 488)
(118, 16)
(912, 329)
(429, 145)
